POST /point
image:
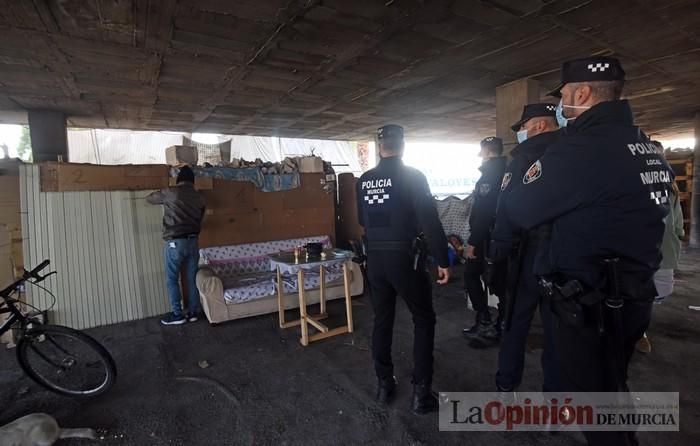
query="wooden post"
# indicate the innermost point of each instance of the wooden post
(280, 303)
(322, 290)
(302, 309)
(348, 301)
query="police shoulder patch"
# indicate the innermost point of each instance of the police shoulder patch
(484, 189)
(506, 180)
(533, 173)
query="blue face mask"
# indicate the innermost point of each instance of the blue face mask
(522, 136)
(561, 119)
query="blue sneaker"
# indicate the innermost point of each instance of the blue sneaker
(173, 319)
(192, 317)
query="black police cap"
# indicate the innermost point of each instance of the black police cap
(533, 111)
(589, 69)
(390, 131)
(492, 141)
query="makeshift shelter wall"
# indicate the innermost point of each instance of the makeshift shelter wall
(10, 220)
(348, 225)
(238, 212)
(106, 247)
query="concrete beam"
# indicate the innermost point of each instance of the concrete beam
(510, 100)
(47, 129)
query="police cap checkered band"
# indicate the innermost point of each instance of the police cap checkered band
(534, 110)
(492, 141)
(589, 69)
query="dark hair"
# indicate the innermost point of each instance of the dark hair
(185, 175)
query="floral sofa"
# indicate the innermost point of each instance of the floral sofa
(237, 281)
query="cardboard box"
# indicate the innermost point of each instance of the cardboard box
(177, 155)
(68, 177)
(310, 164)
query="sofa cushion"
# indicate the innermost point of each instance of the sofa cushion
(251, 257)
(246, 287)
(242, 288)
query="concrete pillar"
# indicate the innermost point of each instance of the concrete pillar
(47, 130)
(510, 100)
(695, 203)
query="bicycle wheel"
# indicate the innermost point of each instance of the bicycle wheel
(66, 361)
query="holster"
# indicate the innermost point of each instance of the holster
(360, 251)
(568, 299)
(419, 253)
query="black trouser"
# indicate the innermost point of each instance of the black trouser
(472, 281)
(391, 273)
(584, 359)
(511, 356)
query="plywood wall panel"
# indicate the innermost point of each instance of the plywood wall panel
(348, 225)
(238, 212)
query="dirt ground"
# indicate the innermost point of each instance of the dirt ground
(263, 388)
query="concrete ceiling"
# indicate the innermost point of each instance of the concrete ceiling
(333, 68)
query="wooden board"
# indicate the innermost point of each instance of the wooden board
(683, 168)
(6, 274)
(348, 227)
(238, 212)
(68, 177)
(10, 217)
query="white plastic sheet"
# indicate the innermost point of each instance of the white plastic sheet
(97, 146)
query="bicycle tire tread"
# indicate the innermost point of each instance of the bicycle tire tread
(24, 344)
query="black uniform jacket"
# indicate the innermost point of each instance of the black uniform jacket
(486, 194)
(605, 187)
(505, 233)
(394, 204)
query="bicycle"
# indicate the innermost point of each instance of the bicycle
(61, 359)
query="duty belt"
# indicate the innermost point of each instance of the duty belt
(388, 245)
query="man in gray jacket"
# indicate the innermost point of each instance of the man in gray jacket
(182, 222)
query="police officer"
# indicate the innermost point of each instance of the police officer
(481, 219)
(536, 130)
(394, 207)
(605, 188)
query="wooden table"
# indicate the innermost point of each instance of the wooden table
(289, 264)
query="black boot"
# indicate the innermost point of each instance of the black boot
(500, 322)
(483, 321)
(385, 389)
(424, 399)
(488, 337)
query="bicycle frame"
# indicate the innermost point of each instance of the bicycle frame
(8, 306)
